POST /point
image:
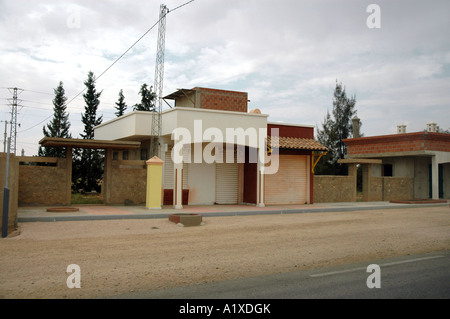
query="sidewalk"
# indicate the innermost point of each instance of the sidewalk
(101, 212)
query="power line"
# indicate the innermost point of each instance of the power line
(117, 60)
(27, 90)
(46, 93)
(132, 46)
(180, 6)
(36, 124)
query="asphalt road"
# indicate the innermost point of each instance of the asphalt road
(407, 277)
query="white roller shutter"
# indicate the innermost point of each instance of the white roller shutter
(227, 183)
(227, 179)
(289, 184)
(169, 173)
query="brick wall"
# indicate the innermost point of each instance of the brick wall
(214, 99)
(330, 188)
(410, 142)
(398, 188)
(50, 185)
(292, 130)
(44, 185)
(437, 142)
(126, 183)
(334, 189)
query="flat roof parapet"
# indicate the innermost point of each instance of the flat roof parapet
(87, 144)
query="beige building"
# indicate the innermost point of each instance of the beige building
(214, 151)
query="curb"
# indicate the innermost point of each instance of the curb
(224, 214)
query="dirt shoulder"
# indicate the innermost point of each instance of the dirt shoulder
(121, 256)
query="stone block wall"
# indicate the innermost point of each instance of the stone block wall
(375, 191)
(44, 185)
(126, 183)
(398, 188)
(328, 189)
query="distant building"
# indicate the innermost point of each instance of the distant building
(421, 158)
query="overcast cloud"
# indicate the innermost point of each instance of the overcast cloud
(287, 54)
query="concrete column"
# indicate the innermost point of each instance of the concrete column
(356, 124)
(107, 177)
(435, 177)
(68, 176)
(260, 180)
(309, 181)
(241, 183)
(154, 183)
(365, 182)
(353, 172)
(178, 186)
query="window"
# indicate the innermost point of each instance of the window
(144, 154)
(125, 155)
(387, 170)
(115, 156)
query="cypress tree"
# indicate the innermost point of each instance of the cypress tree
(89, 164)
(147, 99)
(58, 126)
(121, 105)
(92, 102)
(336, 127)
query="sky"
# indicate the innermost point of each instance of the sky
(288, 55)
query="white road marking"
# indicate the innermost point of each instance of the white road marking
(381, 265)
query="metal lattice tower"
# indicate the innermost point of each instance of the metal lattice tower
(13, 123)
(159, 79)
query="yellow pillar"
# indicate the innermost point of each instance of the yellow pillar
(154, 183)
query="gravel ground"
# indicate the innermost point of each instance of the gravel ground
(121, 256)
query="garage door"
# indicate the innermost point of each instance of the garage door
(289, 184)
(169, 178)
(227, 182)
(227, 179)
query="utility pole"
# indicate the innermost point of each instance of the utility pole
(12, 143)
(6, 137)
(6, 196)
(159, 79)
(13, 132)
